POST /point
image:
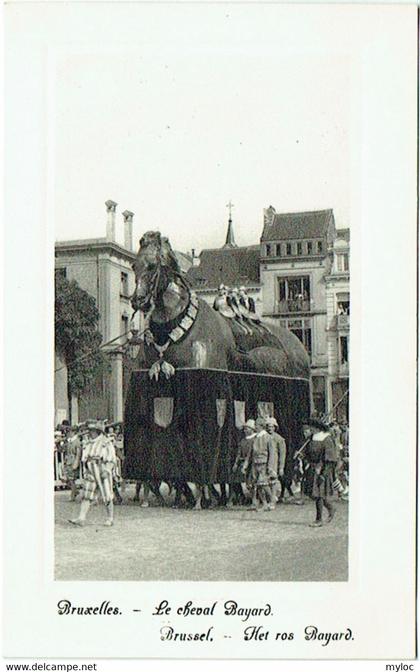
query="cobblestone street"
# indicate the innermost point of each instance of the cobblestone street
(219, 544)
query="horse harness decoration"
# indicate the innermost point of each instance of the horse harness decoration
(177, 333)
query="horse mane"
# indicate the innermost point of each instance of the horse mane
(165, 253)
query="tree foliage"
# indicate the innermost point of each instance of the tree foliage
(76, 334)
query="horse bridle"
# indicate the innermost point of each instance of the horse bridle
(154, 280)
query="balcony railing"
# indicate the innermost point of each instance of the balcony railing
(293, 306)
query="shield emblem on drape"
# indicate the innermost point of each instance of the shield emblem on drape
(239, 407)
(163, 411)
(221, 411)
(266, 409)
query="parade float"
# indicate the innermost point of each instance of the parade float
(200, 373)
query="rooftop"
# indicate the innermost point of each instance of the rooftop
(230, 266)
(297, 225)
(86, 244)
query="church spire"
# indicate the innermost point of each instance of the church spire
(230, 238)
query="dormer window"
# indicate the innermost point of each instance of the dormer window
(268, 250)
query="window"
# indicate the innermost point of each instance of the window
(342, 263)
(294, 294)
(302, 329)
(124, 324)
(310, 247)
(288, 248)
(124, 284)
(320, 246)
(344, 350)
(343, 303)
(299, 248)
(60, 272)
(268, 250)
(278, 250)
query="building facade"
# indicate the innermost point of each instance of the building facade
(291, 275)
(337, 287)
(295, 260)
(297, 275)
(103, 268)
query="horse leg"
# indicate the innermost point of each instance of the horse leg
(177, 486)
(146, 491)
(154, 486)
(213, 495)
(137, 495)
(199, 497)
(223, 494)
(186, 490)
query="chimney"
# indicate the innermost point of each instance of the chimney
(195, 258)
(111, 207)
(269, 215)
(128, 229)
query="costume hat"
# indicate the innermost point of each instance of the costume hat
(316, 423)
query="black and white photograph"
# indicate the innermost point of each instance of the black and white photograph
(202, 318)
(217, 208)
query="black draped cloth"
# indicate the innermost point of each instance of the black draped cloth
(188, 427)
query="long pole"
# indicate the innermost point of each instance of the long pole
(87, 354)
(327, 415)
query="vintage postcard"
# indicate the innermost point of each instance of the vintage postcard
(211, 210)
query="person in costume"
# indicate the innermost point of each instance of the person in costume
(277, 458)
(240, 471)
(110, 433)
(245, 300)
(260, 474)
(321, 457)
(233, 303)
(99, 463)
(220, 302)
(248, 312)
(72, 452)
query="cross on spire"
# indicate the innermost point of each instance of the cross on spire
(230, 238)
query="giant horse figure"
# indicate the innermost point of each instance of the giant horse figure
(199, 375)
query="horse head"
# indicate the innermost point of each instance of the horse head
(161, 286)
